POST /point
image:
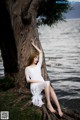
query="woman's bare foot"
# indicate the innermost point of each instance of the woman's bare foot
(49, 106)
(60, 112)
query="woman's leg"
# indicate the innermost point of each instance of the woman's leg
(54, 97)
(47, 93)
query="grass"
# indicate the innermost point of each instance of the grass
(6, 83)
(15, 113)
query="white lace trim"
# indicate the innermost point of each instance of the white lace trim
(36, 90)
(37, 100)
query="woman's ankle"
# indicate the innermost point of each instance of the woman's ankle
(59, 108)
(49, 104)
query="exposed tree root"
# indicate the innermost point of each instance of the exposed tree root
(68, 114)
(23, 91)
(17, 100)
(29, 103)
(46, 114)
(74, 115)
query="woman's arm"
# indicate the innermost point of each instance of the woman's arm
(34, 81)
(40, 53)
(36, 47)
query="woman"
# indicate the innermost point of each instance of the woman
(33, 76)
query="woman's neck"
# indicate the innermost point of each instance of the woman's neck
(33, 64)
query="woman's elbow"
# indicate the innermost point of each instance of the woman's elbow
(28, 81)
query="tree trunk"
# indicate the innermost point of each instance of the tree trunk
(7, 41)
(22, 27)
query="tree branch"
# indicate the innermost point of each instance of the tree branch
(30, 10)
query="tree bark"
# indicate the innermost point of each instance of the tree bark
(7, 41)
(22, 18)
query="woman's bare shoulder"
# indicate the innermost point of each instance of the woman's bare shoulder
(27, 67)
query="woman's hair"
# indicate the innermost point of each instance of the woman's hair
(32, 56)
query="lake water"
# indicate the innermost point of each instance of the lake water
(61, 45)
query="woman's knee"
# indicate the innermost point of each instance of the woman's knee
(48, 83)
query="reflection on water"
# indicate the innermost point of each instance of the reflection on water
(61, 46)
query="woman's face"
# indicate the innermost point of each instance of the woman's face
(36, 59)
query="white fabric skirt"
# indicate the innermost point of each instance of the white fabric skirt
(36, 89)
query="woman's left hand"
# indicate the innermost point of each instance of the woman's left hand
(32, 41)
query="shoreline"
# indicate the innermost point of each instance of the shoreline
(72, 19)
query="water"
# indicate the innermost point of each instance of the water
(61, 46)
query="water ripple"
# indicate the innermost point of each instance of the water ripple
(61, 46)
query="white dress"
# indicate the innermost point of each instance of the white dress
(34, 73)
